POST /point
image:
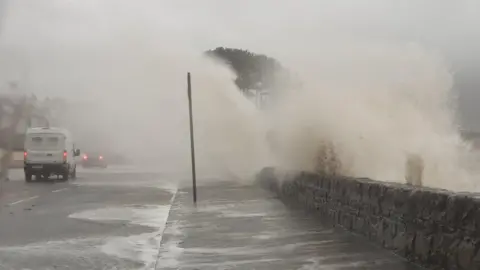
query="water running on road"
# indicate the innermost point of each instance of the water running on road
(242, 227)
(141, 247)
(106, 222)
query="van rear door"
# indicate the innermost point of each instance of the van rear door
(45, 148)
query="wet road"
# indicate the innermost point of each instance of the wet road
(134, 219)
(243, 227)
(105, 219)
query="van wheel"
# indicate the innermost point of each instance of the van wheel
(28, 177)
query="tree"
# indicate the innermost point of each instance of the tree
(254, 71)
(21, 110)
(25, 109)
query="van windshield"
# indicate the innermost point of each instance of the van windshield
(45, 142)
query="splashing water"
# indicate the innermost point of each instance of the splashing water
(373, 102)
(376, 104)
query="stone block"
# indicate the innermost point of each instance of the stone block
(465, 254)
(359, 225)
(476, 260)
(422, 246)
(389, 232)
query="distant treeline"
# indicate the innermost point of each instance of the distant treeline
(37, 114)
(254, 71)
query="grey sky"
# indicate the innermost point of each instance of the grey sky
(79, 26)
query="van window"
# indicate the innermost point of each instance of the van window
(52, 140)
(37, 140)
(45, 142)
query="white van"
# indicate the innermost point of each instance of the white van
(49, 151)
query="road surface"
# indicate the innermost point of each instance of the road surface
(105, 219)
(235, 226)
(135, 219)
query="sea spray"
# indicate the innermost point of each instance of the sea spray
(375, 104)
(364, 102)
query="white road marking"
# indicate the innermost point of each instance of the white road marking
(24, 200)
(60, 190)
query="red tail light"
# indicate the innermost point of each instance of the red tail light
(100, 157)
(85, 157)
(25, 154)
(65, 155)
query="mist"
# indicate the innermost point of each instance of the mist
(378, 81)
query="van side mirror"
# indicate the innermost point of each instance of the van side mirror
(77, 152)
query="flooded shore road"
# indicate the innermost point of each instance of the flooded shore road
(111, 219)
(105, 219)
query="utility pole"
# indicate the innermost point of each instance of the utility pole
(192, 141)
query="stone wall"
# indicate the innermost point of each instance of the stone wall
(435, 228)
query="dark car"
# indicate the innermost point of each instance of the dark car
(94, 160)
